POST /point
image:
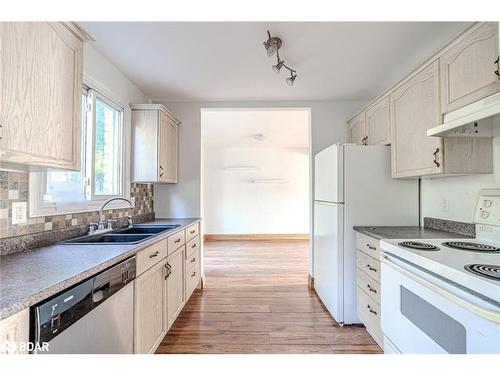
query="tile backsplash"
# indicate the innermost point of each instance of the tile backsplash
(14, 187)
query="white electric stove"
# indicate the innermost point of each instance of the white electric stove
(443, 296)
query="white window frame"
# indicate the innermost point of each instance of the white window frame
(38, 180)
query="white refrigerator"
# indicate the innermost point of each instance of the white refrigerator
(353, 186)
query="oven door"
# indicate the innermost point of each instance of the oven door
(424, 314)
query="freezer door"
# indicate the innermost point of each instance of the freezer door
(328, 256)
(329, 175)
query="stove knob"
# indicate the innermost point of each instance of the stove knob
(487, 203)
(485, 214)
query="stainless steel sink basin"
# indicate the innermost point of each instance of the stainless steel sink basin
(147, 229)
(127, 236)
(110, 238)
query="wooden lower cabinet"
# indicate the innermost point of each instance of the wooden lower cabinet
(175, 285)
(14, 333)
(164, 284)
(368, 282)
(150, 309)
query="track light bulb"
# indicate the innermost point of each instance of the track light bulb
(290, 80)
(278, 66)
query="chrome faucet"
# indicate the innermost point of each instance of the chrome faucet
(101, 213)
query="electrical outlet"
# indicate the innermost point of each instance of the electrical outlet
(19, 212)
(445, 207)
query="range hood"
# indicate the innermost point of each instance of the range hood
(478, 119)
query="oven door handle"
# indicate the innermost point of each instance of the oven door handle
(487, 314)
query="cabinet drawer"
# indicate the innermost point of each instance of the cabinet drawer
(368, 264)
(192, 231)
(192, 279)
(370, 286)
(175, 241)
(368, 245)
(192, 260)
(148, 257)
(192, 246)
(369, 313)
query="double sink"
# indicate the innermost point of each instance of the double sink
(126, 236)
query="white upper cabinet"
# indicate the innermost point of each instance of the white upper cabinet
(378, 123)
(40, 95)
(468, 68)
(155, 139)
(415, 108)
(460, 73)
(357, 129)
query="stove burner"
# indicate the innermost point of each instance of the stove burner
(418, 246)
(486, 270)
(471, 246)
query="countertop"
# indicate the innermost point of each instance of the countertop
(29, 277)
(412, 232)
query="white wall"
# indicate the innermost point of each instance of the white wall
(328, 125)
(235, 205)
(460, 192)
(100, 69)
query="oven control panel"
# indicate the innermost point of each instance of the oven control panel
(488, 207)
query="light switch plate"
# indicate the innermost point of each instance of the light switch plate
(19, 212)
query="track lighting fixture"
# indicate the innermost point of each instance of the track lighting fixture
(272, 46)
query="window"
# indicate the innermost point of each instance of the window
(102, 160)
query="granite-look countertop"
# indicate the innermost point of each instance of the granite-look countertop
(29, 277)
(408, 232)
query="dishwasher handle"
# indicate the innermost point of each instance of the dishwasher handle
(101, 293)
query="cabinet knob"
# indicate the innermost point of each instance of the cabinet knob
(436, 157)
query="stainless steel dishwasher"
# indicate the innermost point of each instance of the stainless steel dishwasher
(94, 316)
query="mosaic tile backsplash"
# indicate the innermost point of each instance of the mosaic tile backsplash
(14, 187)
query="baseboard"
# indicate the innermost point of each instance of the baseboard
(256, 237)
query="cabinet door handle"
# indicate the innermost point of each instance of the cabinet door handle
(370, 288)
(193, 246)
(177, 240)
(370, 310)
(155, 254)
(497, 63)
(161, 171)
(371, 268)
(192, 231)
(169, 270)
(193, 274)
(371, 247)
(436, 157)
(193, 260)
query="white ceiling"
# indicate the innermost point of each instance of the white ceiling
(227, 61)
(236, 127)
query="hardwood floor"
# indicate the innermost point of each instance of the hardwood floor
(256, 300)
